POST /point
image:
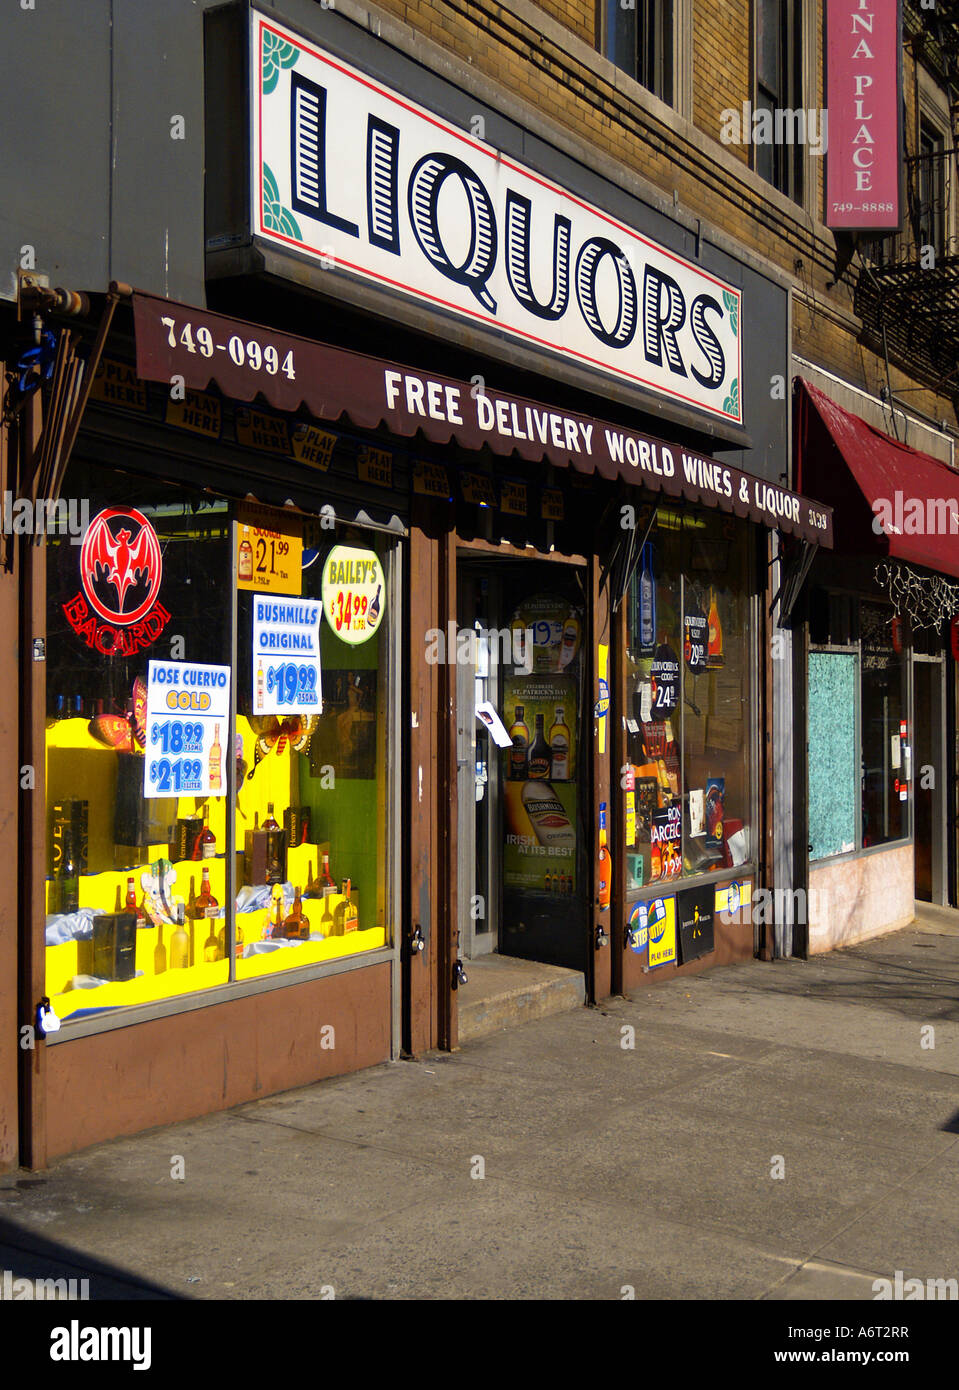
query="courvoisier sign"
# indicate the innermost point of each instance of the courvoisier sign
(368, 182)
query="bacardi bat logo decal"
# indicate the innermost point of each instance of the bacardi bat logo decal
(120, 570)
(121, 565)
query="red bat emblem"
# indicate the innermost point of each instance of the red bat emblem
(114, 558)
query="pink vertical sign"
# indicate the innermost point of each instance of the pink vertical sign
(863, 160)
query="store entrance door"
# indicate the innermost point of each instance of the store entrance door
(929, 777)
(522, 865)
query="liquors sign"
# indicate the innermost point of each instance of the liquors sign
(369, 183)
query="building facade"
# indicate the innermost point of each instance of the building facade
(445, 564)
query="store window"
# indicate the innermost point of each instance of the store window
(163, 717)
(859, 753)
(688, 777)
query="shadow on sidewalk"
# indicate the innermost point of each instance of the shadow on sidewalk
(26, 1255)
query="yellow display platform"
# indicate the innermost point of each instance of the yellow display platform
(78, 765)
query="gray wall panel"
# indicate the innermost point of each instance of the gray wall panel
(55, 155)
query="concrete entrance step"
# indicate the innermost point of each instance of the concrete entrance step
(940, 921)
(504, 992)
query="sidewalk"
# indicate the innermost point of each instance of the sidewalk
(605, 1165)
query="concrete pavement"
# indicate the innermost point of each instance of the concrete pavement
(605, 1166)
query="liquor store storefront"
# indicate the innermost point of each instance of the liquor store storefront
(232, 783)
(283, 798)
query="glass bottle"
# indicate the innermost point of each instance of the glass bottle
(559, 746)
(260, 685)
(540, 757)
(374, 611)
(327, 924)
(179, 945)
(206, 903)
(345, 916)
(297, 927)
(69, 894)
(519, 753)
(211, 947)
(159, 952)
(271, 822)
(327, 884)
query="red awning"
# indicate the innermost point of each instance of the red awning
(887, 495)
(246, 360)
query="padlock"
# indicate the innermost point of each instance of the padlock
(47, 1020)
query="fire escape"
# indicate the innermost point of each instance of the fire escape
(907, 293)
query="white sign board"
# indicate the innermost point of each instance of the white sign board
(187, 731)
(286, 655)
(370, 183)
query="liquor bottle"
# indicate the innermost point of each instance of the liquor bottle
(714, 651)
(211, 947)
(647, 601)
(374, 609)
(271, 822)
(327, 885)
(205, 845)
(519, 753)
(61, 706)
(216, 761)
(311, 889)
(179, 945)
(274, 929)
(159, 953)
(206, 903)
(130, 905)
(540, 757)
(76, 707)
(69, 894)
(297, 927)
(260, 685)
(327, 924)
(345, 919)
(244, 565)
(605, 862)
(191, 911)
(559, 747)
(547, 815)
(548, 883)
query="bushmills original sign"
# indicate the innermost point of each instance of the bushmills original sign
(863, 55)
(351, 173)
